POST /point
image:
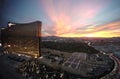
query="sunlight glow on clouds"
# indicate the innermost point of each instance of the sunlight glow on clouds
(79, 18)
(68, 18)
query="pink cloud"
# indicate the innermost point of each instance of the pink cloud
(67, 18)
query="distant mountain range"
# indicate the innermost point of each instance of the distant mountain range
(55, 38)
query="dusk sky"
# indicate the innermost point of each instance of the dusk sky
(65, 18)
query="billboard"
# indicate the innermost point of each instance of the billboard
(22, 38)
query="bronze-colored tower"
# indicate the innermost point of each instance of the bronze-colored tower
(23, 38)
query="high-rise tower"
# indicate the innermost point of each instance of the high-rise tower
(22, 38)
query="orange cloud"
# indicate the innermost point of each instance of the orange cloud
(109, 26)
(66, 20)
(107, 30)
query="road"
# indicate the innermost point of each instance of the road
(118, 62)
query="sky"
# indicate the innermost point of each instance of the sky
(65, 18)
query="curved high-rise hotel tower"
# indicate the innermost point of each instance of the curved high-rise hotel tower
(22, 38)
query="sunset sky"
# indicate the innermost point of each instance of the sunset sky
(65, 18)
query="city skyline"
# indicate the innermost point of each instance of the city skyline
(66, 18)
